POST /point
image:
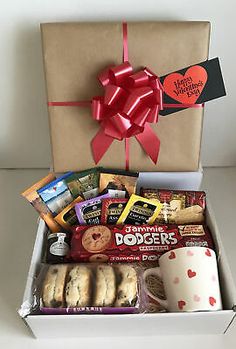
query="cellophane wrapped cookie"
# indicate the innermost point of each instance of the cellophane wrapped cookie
(89, 288)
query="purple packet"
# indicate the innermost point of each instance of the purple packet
(90, 211)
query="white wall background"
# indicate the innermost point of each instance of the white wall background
(24, 137)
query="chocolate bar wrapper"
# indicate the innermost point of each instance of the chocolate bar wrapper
(35, 200)
(119, 184)
(112, 209)
(130, 243)
(179, 206)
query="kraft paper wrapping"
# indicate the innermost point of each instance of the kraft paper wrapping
(74, 54)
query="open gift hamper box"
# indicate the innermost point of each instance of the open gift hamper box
(111, 127)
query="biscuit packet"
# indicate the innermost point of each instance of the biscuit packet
(93, 288)
(118, 183)
(56, 195)
(35, 200)
(112, 209)
(85, 183)
(179, 206)
(139, 210)
(90, 211)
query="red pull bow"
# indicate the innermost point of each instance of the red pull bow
(131, 101)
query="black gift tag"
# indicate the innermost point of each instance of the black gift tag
(195, 84)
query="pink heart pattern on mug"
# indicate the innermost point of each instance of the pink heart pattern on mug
(212, 301)
(172, 255)
(208, 252)
(176, 280)
(191, 273)
(181, 304)
(196, 298)
(190, 253)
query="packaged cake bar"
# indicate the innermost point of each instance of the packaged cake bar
(139, 210)
(33, 197)
(89, 211)
(89, 288)
(131, 243)
(56, 195)
(179, 206)
(119, 184)
(85, 183)
(67, 217)
(112, 209)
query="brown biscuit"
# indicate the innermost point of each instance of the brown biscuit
(96, 239)
(53, 286)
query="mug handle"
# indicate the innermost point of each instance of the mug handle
(157, 271)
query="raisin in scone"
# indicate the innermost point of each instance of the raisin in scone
(53, 286)
(78, 287)
(105, 292)
(127, 288)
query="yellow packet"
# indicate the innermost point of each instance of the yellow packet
(67, 217)
(139, 210)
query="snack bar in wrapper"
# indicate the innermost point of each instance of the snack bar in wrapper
(179, 206)
(118, 183)
(131, 243)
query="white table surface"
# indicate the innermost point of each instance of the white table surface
(17, 234)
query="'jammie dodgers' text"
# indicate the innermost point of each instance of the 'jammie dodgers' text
(141, 235)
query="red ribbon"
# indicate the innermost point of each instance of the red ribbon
(131, 101)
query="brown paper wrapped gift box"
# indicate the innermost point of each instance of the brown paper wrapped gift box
(74, 54)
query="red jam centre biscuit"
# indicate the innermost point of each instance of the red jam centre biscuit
(96, 239)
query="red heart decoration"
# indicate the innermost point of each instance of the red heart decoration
(188, 87)
(208, 253)
(96, 236)
(181, 304)
(172, 255)
(212, 301)
(54, 188)
(191, 273)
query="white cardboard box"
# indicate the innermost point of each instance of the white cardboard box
(55, 326)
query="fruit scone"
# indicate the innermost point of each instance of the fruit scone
(53, 286)
(127, 289)
(79, 286)
(105, 289)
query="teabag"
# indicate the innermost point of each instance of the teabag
(119, 184)
(85, 183)
(56, 194)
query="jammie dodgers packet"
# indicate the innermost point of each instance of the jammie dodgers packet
(139, 210)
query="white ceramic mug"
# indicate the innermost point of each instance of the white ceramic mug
(190, 278)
